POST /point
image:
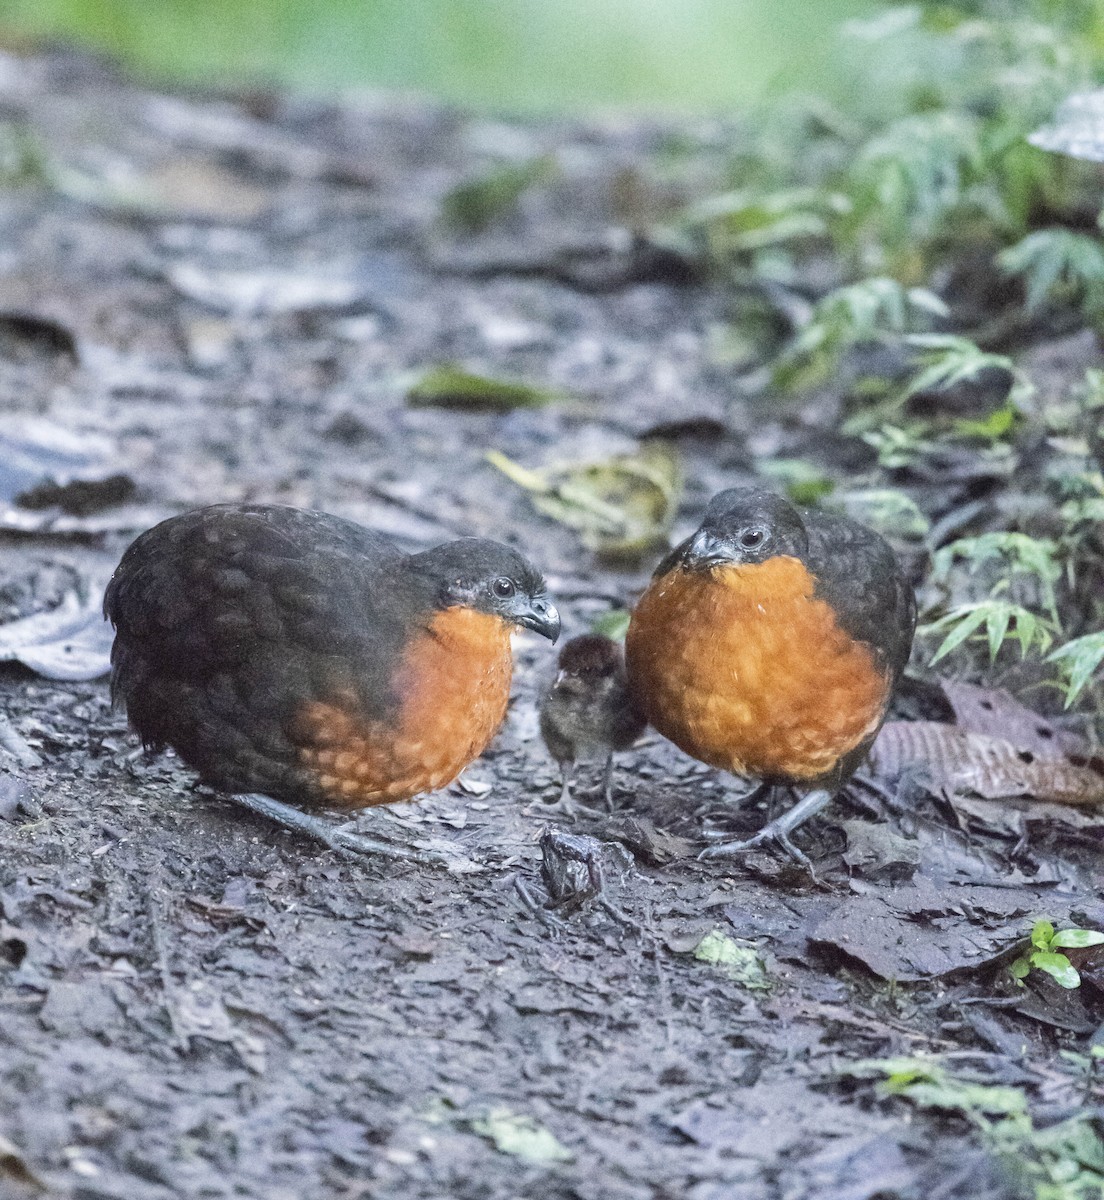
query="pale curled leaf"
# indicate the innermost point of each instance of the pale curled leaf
(72, 641)
(997, 713)
(521, 1136)
(622, 507)
(1077, 128)
(991, 767)
(740, 963)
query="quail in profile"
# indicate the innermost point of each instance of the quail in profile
(297, 660)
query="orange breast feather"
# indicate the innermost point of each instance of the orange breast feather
(745, 670)
(453, 683)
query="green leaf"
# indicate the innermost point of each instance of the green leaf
(805, 483)
(965, 621)
(472, 206)
(1077, 939)
(449, 386)
(871, 310)
(888, 511)
(949, 360)
(741, 964)
(1079, 660)
(997, 425)
(1018, 553)
(1058, 967)
(1020, 968)
(521, 1136)
(1051, 260)
(1042, 934)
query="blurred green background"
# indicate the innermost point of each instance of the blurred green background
(680, 55)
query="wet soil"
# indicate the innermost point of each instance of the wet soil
(221, 297)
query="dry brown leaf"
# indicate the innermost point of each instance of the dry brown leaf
(997, 713)
(992, 767)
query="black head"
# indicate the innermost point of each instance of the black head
(490, 578)
(745, 526)
(591, 655)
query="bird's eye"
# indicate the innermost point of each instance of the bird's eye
(751, 538)
(503, 587)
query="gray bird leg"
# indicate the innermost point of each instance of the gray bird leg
(607, 782)
(566, 805)
(778, 830)
(320, 830)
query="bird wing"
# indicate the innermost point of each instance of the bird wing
(858, 574)
(262, 604)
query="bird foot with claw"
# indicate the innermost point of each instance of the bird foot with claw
(766, 835)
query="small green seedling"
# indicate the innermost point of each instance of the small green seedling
(1045, 954)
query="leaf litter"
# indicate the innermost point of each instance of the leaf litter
(373, 993)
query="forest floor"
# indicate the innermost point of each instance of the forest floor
(209, 298)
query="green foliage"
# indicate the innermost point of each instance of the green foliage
(1064, 1161)
(613, 624)
(872, 310)
(899, 445)
(1061, 265)
(470, 207)
(1079, 660)
(739, 223)
(804, 482)
(995, 620)
(1015, 553)
(1045, 953)
(1017, 557)
(892, 513)
(947, 361)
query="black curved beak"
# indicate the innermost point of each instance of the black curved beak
(704, 551)
(540, 615)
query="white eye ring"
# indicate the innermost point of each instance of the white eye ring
(751, 538)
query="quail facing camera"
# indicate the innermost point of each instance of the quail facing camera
(588, 712)
(295, 659)
(769, 644)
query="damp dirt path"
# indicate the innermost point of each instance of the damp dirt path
(222, 298)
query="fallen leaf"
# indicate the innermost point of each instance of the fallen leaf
(993, 768)
(998, 713)
(200, 1012)
(521, 1136)
(742, 964)
(72, 641)
(899, 947)
(34, 452)
(471, 206)
(251, 293)
(622, 507)
(449, 386)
